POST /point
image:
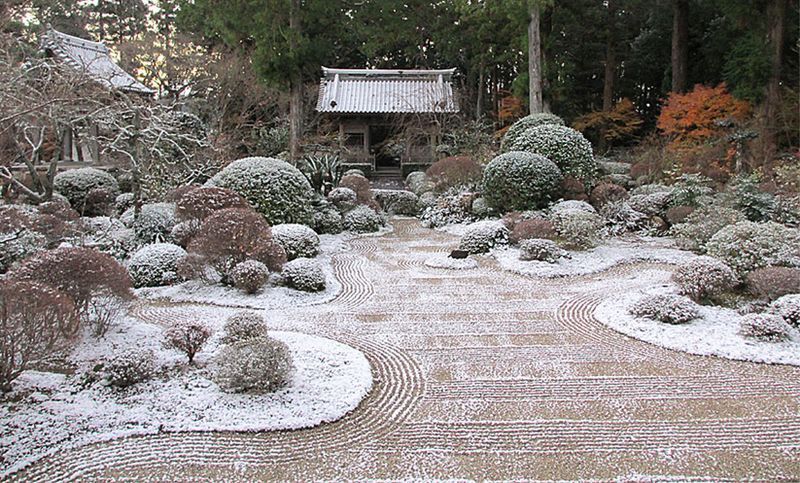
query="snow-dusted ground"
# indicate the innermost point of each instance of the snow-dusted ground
(715, 333)
(56, 412)
(444, 261)
(616, 251)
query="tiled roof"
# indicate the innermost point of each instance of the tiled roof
(92, 58)
(376, 91)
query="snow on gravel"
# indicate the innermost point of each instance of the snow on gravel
(443, 260)
(613, 252)
(55, 412)
(714, 334)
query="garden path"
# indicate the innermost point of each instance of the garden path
(482, 374)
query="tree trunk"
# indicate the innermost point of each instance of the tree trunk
(535, 59)
(610, 70)
(481, 89)
(295, 86)
(776, 30)
(680, 44)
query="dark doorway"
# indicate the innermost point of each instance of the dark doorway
(383, 148)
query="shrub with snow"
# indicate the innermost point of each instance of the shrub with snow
(653, 204)
(296, 240)
(562, 145)
(667, 308)
(482, 236)
(244, 326)
(183, 232)
(129, 367)
(452, 206)
(621, 218)
(200, 201)
(765, 327)
(187, 337)
(774, 282)
(328, 220)
(788, 307)
(76, 184)
(690, 190)
(304, 274)
(698, 228)
(18, 245)
(520, 181)
(156, 264)
(343, 198)
(123, 202)
(605, 193)
(649, 189)
(747, 246)
(258, 365)
(578, 229)
(568, 205)
(249, 276)
(362, 219)
(454, 171)
(532, 228)
(419, 182)
(155, 222)
(541, 250)
(275, 188)
(361, 187)
(704, 277)
(397, 202)
(527, 122)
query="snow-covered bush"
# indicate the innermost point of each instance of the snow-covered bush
(76, 184)
(156, 264)
(562, 145)
(747, 246)
(187, 337)
(704, 277)
(123, 202)
(454, 171)
(577, 229)
(18, 245)
(540, 250)
(482, 236)
(200, 201)
(453, 206)
(343, 198)
(569, 205)
(397, 202)
(649, 189)
(328, 220)
(702, 224)
(183, 232)
(296, 240)
(788, 307)
(419, 182)
(258, 365)
(249, 276)
(304, 274)
(244, 326)
(520, 181)
(668, 308)
(108, 235)
(774, 282)
(354, 171)
(427, 200)
(765, 327)
(532, 228)
(361, 187)
(275, 188)
(621, 218)
(527, 122)
(129, 367)
(690, 190)
(362, 219)
(155, 222)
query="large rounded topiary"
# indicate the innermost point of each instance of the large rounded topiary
(275, 188)
(76, 184)
(528, 122)
(156, 264)
(520, 181)
(562, 145)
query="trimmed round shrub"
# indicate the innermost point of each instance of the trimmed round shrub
(397, 202)
(539, 249)
(572, 205)
(201, 201)
(562, 145)
(453, 206)
(774, 282)
(788, 307)
(155, 222)
(258, 365)
(747, 246)
(244, 326)
(667, 308)
(532, 228)
(304, 274)
(704, 277)
(296, 240)
(362, 219)
(698, 228)
(621, 218)
(17, 246)
(764, 327)
(527, 122)
(59, 208)
(183, 232)
(249, 276)
(482, 236)
(343, 198)
(427, 199)
(328, 220)
(577, 229)
(354, 171)
(156, 264)
(75, 185)
(361, 187)
(480, 208)
(605, 193)
(419, 182)
(520, 181)
(454, 171)
(275, 188)
(129, 367)
(123, 202)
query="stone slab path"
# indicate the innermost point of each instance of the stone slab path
(481, 374)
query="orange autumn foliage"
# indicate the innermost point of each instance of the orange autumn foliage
(691, 119)
(619, 125)
(511, 109)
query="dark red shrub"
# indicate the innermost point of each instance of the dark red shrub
(533, 228)
(97, 284)
(98, 202)
(59, 208)
(511, 219)
(175, 194)
(573, 189)
(678, 214)
(362, 187)
(198, 203)
(774, 282)
(607, 193)
(454, 171)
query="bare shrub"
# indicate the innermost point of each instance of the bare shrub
(187, 337)
(454, 171)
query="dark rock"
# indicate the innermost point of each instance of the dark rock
(459, 254)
